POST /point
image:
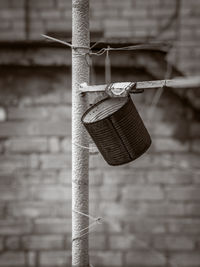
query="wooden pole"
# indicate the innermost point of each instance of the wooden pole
(80, 156)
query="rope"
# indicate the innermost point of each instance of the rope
(153, 46)
(64, 43)
(107, 67)
(96, 221)
(86, 147)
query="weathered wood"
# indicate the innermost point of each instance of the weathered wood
(190, 82)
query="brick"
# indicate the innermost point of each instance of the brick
(7, 179)
(2, 114)
(174, 243)
(125, 242)
(147, 226)
(52, 226)
(183, 193)
(65, 177)
(109, 193)
(12, 35)
(8, 193)
(66, 145)
(107, 258)
(25, 145)
(196, 145)
(50, 14)
(144, 23)
(16, 129)
(12, 243)
(38, 128)
(12, 259)
(111, 4)
(186, 161)
(15, 227)
(166, 209)
(2, 210)
(42, 4)
(166, 161)
(125, 210)
(54, 145)
(17, 4)
(144, 258)
(30, 209)
(162, 129)
(1, 244)
(192, 209)
(95, 178)
(43, 242)
(143, 193)
(12, 162)
(114, 23)
(55, 161)
(36, 177)
(31, 259)
(8, 14)
(187, 226)
(120, 177)
(60, 112)
(118, 32)
(63, 4)
(186, 259)
(1, 146)
(27, 113)
(96, 161)
(55, 258)
(195, 129)
(167, 144)
(97, 242)
(136, 13)
(169, 177)
(50, 192)
(4, 4)
(58, 128)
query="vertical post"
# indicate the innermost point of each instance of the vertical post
(80, 156)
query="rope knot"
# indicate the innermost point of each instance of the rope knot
(99, 220)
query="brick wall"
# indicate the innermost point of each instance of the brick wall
(152, 202)
(138, 20)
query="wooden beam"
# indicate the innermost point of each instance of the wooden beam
(190, 82)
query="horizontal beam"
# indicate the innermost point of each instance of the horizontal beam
(190, 82)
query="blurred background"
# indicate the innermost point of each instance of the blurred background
(152, 205)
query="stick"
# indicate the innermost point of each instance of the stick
(191, 82)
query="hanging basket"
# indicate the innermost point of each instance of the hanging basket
(117, 130)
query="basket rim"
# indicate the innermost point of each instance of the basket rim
(107, 116)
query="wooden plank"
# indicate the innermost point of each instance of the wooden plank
(190, 82)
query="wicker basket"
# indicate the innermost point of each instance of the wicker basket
(117, 130)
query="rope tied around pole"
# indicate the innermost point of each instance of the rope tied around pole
(86, 147)
(152, 46)
(96, 221)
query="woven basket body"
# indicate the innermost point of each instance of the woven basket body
(117, 130)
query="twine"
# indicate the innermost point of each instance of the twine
(85, 147)
(96, 221)
(152, 46)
